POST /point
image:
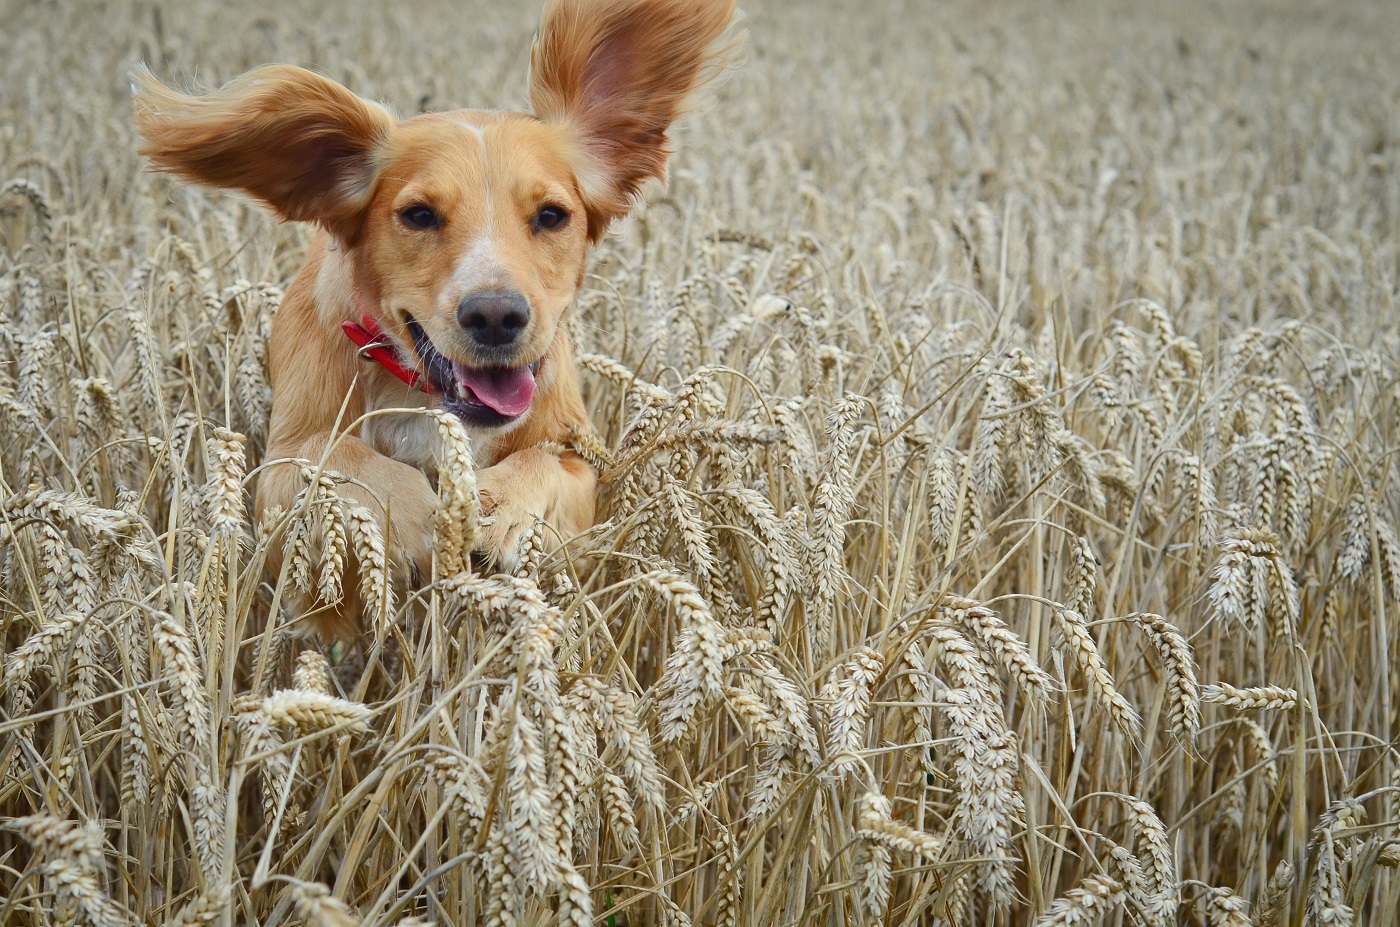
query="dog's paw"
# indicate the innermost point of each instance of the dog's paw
(505, 516)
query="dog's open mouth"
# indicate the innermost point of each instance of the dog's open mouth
(479, 395)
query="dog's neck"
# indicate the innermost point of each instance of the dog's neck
(336, 297)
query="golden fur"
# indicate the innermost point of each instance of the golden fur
(608, 77)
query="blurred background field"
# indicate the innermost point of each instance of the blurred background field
(999, 418)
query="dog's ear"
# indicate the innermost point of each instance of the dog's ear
(299, 142)
(618, 73)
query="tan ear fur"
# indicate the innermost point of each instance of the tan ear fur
(619, 72)
(299, 142)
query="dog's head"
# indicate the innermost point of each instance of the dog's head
(464, 234)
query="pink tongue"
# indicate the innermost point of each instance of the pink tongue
(507, 391)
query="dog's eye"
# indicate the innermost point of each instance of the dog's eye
(550, 218)
(420, 217)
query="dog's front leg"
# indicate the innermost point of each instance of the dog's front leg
(534, 482)
(399, 496)
(317, 394)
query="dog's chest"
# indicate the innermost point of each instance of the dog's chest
(398, 430)
(407, 438)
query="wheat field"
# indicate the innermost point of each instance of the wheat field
(999, 422)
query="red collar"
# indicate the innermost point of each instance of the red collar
(370, 338)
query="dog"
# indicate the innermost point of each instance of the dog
(449, 248)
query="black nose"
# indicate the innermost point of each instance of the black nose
(494, 318)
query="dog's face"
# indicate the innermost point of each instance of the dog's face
(471, 248)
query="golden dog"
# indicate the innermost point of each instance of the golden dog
(450, 246)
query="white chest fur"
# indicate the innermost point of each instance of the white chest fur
(398, 430)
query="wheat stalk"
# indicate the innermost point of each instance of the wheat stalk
(990, 806)
(1083, 577)
(367, 543)
(225, 487)
(315, 905)
(1276, 894)
(849, 711)
(1183, 692)
(1326, 902)
(309, 711)
(694, 670)
(613, 714)
(1226, 909)
(312, 673)
(872, 862)
(1085, 653)
(457, 527)
(204, 909)
(257, 739)
(1085, 904)
(1161, 893)
(72, 867)
(877, 826)
(988, 627)
(1256, 698)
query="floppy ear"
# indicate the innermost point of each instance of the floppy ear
(618, 73)
(298, 142)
